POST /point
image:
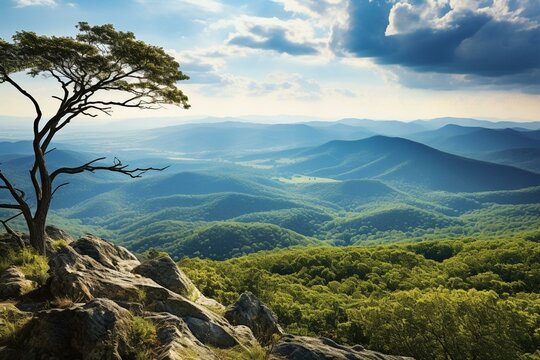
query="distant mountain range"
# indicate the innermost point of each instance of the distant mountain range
(401, 160)
(476, 140)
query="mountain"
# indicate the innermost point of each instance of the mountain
(475, 140)
(226, 240)
(525, 158)
(235, 136)
(350, 193)
(400, 218)
(405, 161)
(469, 122)
(385, 127)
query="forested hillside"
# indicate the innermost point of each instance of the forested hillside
(426, 300)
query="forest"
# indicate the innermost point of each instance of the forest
(425, 299)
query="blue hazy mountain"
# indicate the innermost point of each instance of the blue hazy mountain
(401, 160)
(476, 140)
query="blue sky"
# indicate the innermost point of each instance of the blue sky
(382, 59)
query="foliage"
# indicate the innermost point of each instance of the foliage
(97, 70)
(228, 239)
(34, 266)
(429, 298)
(143, 337)
(11, 322)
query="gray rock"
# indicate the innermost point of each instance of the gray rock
(164, 271)
(206, 326)
(13, 284)
(249, 311)
(55, 233)
(309, 348)
(107, 254)
(97, 330)
(80, 277)
(176, 340)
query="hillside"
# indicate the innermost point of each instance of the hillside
(401, 160)
(227, 240)
(386, 296)
(240, 136)
(475, 140)
(525, 158)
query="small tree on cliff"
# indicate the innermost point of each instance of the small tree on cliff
(97, 70)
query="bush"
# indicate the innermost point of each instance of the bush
(142, 337)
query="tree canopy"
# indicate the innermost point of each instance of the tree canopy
(98, 69)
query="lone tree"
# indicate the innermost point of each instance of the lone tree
(97, 70)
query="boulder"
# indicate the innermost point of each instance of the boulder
(80, 277)
(98, 330)
(164, 271)
(309, 348)
(55, 233)
(176, 340)
(13, 284)
(206, 326)
(249, 311)
(105, 253)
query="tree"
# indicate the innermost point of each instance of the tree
(98, 69)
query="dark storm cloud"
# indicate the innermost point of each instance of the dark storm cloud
(473, 38)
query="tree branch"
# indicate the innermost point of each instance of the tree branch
(117, 167)
(58, 187)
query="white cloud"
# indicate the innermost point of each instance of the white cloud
(213, 6)
(25, 3)
(327, 12)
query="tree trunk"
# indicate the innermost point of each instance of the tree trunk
(37, 234)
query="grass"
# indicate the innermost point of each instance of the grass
(35, 267)
(58, 244)
(11, 322)
(143, 336)
(241, 353)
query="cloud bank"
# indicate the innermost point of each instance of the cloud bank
(490, 42)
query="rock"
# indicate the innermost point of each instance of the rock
(80, 277)
(54, 233)
(249, 311)
(176, 340)
(107, 254)
(308, 348)
(206, 326)
(164, 271)
(97, 330)
(13, 284)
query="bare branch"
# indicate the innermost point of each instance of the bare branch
(17, 194)
(117, 167)
(11, 232)
(58, 187)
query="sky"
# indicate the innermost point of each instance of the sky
(320, 59)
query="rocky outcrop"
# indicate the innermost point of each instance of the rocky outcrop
(249, 311)
(164, 271)
(13, 284)
(176, 340)
(105, 253)
(97, 330)
(80, 277)
(309, 348)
